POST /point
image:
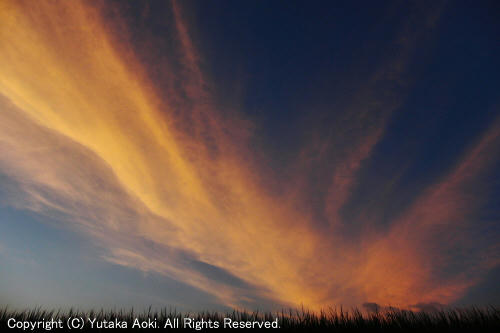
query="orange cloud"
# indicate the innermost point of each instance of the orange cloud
(421, 242)
(86, 93)
(92, 141)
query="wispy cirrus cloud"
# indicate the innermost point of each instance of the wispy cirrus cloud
(164, 182)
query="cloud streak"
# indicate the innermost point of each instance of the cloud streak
(173, 187)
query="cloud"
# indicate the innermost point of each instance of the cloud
(167, 184)
(371, 307)
(357, 123)
(100, 153)
(429, 307)
(429, 234)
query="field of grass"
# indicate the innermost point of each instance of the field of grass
(477, 319)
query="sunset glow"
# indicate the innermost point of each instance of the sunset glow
(144, 161)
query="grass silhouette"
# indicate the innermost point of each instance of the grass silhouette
(471, 318)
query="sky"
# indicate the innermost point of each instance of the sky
(209, 155)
